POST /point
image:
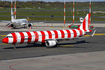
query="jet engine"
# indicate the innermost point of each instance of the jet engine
(12, 25)
(30, 24)
(50, 43)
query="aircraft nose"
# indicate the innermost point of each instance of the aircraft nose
(5, 40)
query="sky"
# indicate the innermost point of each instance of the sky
(58, 0)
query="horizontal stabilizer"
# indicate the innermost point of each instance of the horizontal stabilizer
(93, 33)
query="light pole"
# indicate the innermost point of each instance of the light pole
(64, 13)
(90, 11)
(73, 12)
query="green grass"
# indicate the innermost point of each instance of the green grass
(47, 13)
(55, 19)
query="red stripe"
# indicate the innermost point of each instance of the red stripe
(43, 36)
(69, 33)
(15, 6)
(36, 37)
(75, 33)
(11, 5)
(84, 24)
(62, 33)
(64, 21)
(29, 37)
(56, 34)
(22, 37)
(64, 5)
(90, 5)
(64, 13)
(73, 5)
(80, 31)
(14, 38)
(50, 34)
(89, 19)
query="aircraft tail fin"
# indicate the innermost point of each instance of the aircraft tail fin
(85, 24)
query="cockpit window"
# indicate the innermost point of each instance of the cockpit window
(9, 37)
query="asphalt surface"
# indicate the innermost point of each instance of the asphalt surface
(92, 44)
(79, 54)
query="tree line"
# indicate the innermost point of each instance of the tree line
(42, 4)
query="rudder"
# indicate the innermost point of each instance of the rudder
(85, 24)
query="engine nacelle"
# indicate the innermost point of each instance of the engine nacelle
(50, 43)
(12, 25)
(30, 24)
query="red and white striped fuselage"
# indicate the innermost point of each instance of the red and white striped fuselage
(41, 36)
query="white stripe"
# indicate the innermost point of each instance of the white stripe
(65, 32)
(40, 36)
(26, 37)
(10, 39)
(53, 34)
(78, 33)
(18, 37)
(46, 35)
(59, 33)
(33, 37)
(83, 32)
(73, 17)
(86, 22)
(72, 34)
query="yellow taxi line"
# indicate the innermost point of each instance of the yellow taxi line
(2, 35)
(66, 45)
(97, 34)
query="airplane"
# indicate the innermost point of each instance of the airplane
(17, 22)
(49, 37)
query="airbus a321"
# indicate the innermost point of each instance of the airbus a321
(49, 37)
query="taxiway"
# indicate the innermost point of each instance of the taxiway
(81, 54)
